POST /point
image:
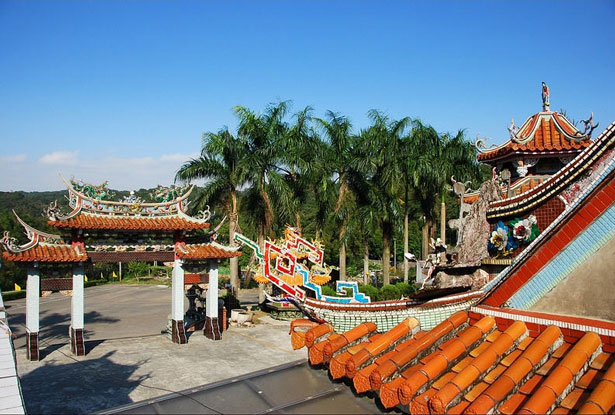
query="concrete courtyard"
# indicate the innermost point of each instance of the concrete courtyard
(128, 359)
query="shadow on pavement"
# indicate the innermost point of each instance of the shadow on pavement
(94, 385)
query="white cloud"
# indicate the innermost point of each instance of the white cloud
(182, 158)
(17, 158)
(123, 173)
(60, 157)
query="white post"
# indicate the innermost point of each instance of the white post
(211, 329)
(77, 309)
(178, 334)
(33, 285)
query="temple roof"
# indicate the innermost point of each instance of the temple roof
(545, 133)
(537, 193)
(45, 252)
(87, 220)
(205, 251)
(474, 362)
(92, 209)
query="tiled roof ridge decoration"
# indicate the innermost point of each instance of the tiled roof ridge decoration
(41, 247)
(86, 198)
(205, 251)
(608, 171)
(478, 367)
(557, 182)
(526, 140)
(34, 237)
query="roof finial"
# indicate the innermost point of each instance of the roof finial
(545, 97)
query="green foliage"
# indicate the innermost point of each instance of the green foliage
(370, 291)
(389, 292)
(328, 291)
(137, 269)
(406, 289)
(13, 295)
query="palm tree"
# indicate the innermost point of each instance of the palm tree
(223, 164)
(263, 134)
(432, 160)
(338, 135)
(382, 158)
(298, 163)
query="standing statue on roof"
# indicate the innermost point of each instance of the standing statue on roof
(545, 97)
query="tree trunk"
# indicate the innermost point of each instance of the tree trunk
(343, 229)
(297, 220)
(234, 262)
(443, 222)
(406, 264)
(387, 232)
(343, 262)
(268, 208)
(425, 241)
(365, 261)
(261, 245)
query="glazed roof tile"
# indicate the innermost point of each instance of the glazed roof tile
(543, 132)
(87, 220)
(44, 252)
(205, 251)
(475, 367)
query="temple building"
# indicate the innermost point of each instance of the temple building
(98, 229)
(539, 340)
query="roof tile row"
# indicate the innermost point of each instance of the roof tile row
(459, 367)
(44, 252)
(164, 223)
(546, 137)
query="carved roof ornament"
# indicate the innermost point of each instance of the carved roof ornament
(513, 130)
(589, 126)
(545, 97)
(481, 144)
(82, 197)
(34, 238)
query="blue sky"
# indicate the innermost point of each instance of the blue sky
(123, 90)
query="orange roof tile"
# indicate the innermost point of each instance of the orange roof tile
(541, 132)
(44, 252)
(442, 375)
(87, 220)
(204, 251)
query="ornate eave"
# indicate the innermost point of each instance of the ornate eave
(212, 250)
(555, 184)
(90, 210)
(41, 247)
(544, 134)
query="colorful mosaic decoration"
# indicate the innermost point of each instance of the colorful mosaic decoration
(506, 238)
(84, 197)
(293, 263)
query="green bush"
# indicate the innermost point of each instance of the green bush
(370, 291)
(406, 289)
(137, 269)
(389, 292)
(326, 290)
(13, 295)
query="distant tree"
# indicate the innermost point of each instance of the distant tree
(223, 164)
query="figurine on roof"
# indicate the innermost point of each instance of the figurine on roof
(545, 97)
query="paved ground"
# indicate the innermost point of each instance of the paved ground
(128, 359)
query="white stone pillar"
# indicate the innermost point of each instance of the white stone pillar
(77, 310)
(178, 335)
(212, 329)
(33, 285)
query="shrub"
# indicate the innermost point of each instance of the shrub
(370, 291)
(13, 295)
(406, 289)
(137, 269)
(389, 292)
(328, 291)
